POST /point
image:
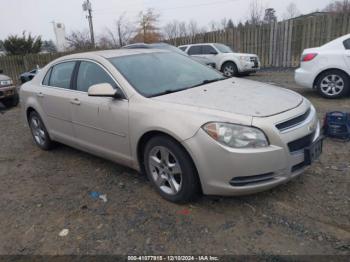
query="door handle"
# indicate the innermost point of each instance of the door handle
(40, 94)
(75, 101)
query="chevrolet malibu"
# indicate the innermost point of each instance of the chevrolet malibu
(187, 127)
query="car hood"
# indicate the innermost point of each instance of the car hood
(4, 77)
(238, 96)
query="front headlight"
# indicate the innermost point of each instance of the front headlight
(236, 136)
(244, 58)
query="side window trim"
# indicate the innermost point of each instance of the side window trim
(73, 83)
(48, 74)
(117, 85)
(75, 74)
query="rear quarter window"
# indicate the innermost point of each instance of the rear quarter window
(346, 44)
(47, 77)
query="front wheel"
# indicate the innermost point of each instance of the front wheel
(333, 84)
(170, 170)
(40, 135)
(229, 69)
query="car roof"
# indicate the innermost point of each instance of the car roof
(199, 44)
(111, 53)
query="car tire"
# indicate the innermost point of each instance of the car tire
(171, 170)
(39, 132)
(333, 84)
(229, 69)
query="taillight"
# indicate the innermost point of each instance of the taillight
(308, 57)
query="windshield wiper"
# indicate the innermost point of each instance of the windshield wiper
(209, 81)
(170, 91)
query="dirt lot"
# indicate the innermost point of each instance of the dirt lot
(45, 192)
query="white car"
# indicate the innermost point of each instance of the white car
(326, 68)
(225, 59)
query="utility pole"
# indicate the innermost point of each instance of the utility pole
(87, 7)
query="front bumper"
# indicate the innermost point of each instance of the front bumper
(226, 171)
(246, 67)
(7, 91)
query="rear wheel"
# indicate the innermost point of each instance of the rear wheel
(333, 84)
(40, 135)
(170, 170)
(229, 69)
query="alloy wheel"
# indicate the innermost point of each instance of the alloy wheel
(165, 170)
(38, 130)
(332, 85)
(229, 70)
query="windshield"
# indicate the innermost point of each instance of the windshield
(156, 74)
(223, 48)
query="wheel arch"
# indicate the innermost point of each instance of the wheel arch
(153, 133)
(28, 111)
(228, 61)
(326, 70)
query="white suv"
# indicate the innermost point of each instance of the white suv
(225, 59)
(326, 68)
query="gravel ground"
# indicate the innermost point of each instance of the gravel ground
(43, 193)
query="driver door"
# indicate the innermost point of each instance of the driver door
(100, 123)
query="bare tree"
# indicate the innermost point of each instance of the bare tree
(270, 16)
(79, 40)
(230, 24)
(193, 28)
(339, 6)
(256, 12)
(291, 11)
(119, 35)
(148, 30)
(172, 30)
(183, 29)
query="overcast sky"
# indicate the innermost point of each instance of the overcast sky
(35, 16)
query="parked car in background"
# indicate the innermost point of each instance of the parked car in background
(189, 128)
(225, 59)
(27, 76)
(165, 46)
(8, 91)
(326, 68)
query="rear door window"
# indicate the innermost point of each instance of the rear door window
(195, 50)
(61, 75)
(208, 50)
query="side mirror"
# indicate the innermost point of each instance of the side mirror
(213, 53)
(1, 71)
(104, 90)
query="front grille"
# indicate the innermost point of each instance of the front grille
(293, 122)
(298, 167)
(253, 59)
(301, 143)
(250, 180)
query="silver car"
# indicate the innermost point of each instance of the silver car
(183, 124)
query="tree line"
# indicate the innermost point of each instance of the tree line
(147, 29)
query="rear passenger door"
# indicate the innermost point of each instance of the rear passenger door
(55, 98)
